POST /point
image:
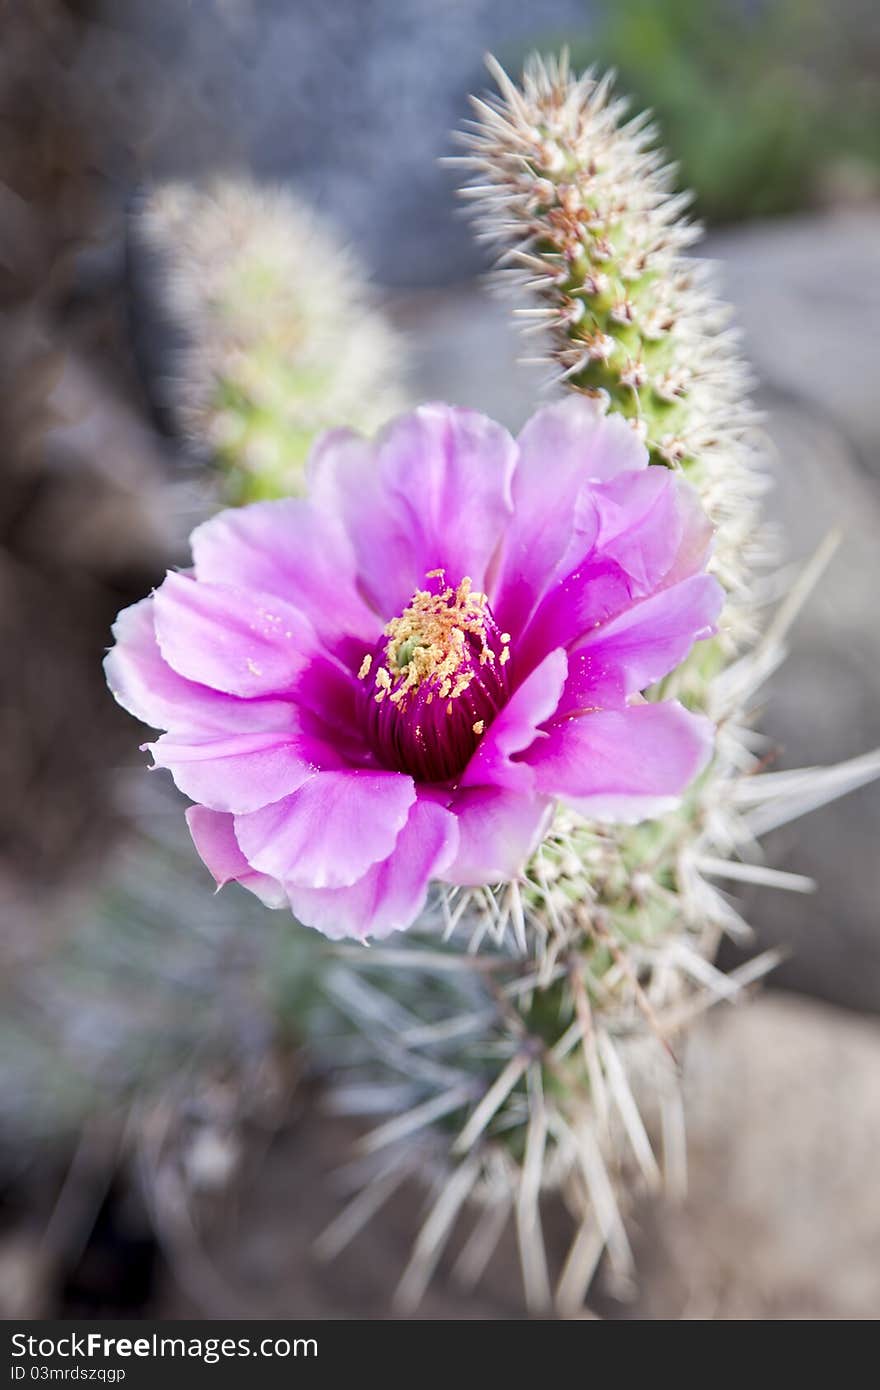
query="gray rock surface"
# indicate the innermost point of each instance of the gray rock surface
(352, 101)
(807, 291)
(782, 1219)
(807, 294)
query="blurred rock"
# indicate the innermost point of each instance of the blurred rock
(25, 1277)
(259, 1259)
(463, 349)
(105, 495)
(822, 706)
(782, 1219)
(807, 293)
(83, 531)
(352, 102)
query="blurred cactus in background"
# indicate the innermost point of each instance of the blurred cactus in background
(282, 336)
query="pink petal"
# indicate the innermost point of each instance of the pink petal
(587, 597)
(242, 772)
(574, 443)
(582, 441)
(294, 551)
(696, 535)
(652, 533)
(644, 643)
(593, 683)
(214, 838)
(145, 685)
(498, 831)
(641, 525)
(392, 893)
(623, 765)
(434, 493)
(327, 834)
(241, 642)
(514, 728)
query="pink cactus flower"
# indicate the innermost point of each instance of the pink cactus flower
(394, 681)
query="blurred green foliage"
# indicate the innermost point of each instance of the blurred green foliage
(767, 107)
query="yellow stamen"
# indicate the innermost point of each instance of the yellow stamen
(429, 642)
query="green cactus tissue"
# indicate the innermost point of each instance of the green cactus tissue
(283, 336)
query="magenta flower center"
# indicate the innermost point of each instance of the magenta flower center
(435, 681)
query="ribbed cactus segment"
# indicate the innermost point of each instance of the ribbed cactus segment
(581, 208)
(283, 337)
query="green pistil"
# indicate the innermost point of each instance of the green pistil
(406, 650)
